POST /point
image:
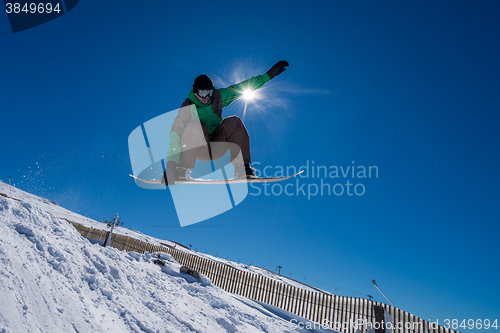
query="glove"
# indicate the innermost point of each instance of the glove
(277, 69)
(170, 175)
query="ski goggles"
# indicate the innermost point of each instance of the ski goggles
(205, 92)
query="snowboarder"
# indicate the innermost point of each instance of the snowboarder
(200, 121)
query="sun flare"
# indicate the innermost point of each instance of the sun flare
(249, 94)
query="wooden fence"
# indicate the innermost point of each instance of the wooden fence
(344, 314)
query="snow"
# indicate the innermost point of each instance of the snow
(54, 280)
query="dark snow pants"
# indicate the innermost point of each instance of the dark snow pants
(231, 135)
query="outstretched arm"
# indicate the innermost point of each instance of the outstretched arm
(232, 93)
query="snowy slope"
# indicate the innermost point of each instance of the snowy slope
(54, 280)
(55, 210)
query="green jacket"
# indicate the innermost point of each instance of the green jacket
(209, 114)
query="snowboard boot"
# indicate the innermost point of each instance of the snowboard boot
(244, 171)
(183, 173)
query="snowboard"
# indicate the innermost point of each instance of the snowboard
(220, 181)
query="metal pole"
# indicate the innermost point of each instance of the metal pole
(10, 188)
(375, 284)
(108, 240)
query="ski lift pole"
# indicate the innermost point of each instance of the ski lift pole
(10, 187)
(375, 284)
(108, 240)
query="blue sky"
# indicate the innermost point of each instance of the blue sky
(410, 88)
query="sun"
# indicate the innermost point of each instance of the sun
(249, 94)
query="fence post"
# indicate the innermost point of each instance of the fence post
(322, 308)
(238, 282)
(297, 301)
(379, 319)
(307, 313)
(269, 291)
(232, 279)
(244, 284)
(329, 310)
(251, 286)
(219, 276)
(291, 300)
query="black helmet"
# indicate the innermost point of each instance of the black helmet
(203, 82)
